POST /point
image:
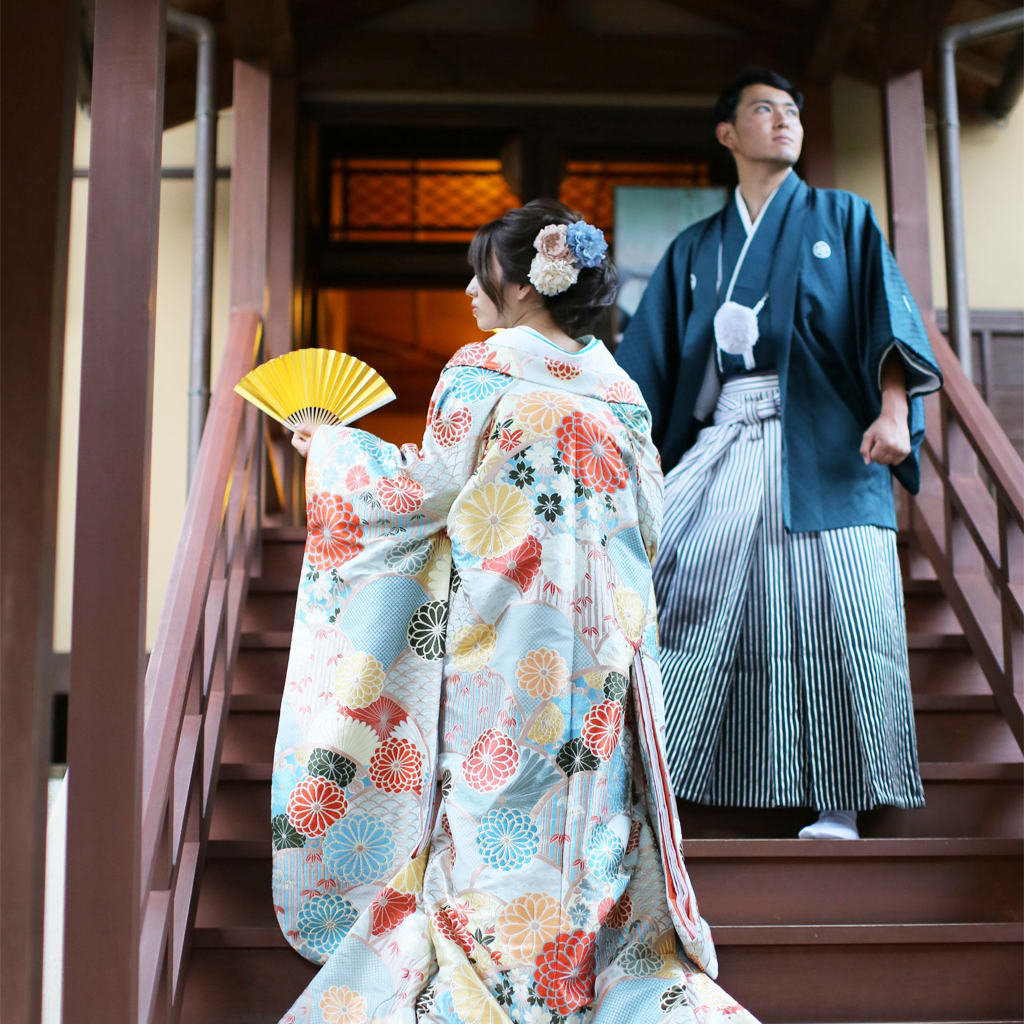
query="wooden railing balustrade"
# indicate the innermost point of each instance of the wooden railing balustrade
(188, 679)
(969, 520)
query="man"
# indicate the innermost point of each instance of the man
(782, 358)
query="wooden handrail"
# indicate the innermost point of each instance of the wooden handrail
(969, 520)
(188, 678)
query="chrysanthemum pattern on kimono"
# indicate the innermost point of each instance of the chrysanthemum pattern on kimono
(471, 817)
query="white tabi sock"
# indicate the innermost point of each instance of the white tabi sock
(832, 825)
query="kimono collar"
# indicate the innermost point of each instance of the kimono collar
(523, 354)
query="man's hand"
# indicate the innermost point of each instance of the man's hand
(886, 441)
(301, 439)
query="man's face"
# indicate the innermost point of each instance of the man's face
(766, 128)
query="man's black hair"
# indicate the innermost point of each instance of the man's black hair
(725, 108)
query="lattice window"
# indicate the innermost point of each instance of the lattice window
(589, 186)
(415, 200)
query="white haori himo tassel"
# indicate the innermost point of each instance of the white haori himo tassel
(736, 331)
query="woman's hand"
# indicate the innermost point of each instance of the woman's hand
(301, 440)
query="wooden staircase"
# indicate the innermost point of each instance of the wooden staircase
(920, 921)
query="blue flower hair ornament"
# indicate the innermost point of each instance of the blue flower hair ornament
(587, 243)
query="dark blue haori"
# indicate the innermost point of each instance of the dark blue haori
(837, 306)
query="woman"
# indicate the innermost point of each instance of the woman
(472, 818)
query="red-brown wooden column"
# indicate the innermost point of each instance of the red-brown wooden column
(249, 227)
(101, 948)
(39, 73)
(819, 153)
(281, 243)
(906, 180)
(281, 263)
(250, 187)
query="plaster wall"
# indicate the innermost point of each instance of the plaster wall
(992, 166)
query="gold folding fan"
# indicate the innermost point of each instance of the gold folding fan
(315, 386)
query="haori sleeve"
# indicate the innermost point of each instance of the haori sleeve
(888, 310)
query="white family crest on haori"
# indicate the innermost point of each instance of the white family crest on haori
(472, 816)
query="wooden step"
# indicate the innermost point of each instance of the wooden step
(898, 973)
(948, 729)
(870, 881)
(756, 881)
(261, 669)
(281, 638)
(243, 986)
(271, 606)
(947, 973)
(981, 801)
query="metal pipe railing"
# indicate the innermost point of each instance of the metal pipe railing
(205, 36)
(949, 168)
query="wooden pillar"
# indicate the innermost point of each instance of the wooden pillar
(101, 947)
(906, 179)
(281, 244)
(819, 154)
(39, 72)
(249, 227)
(250, 187)
(282, 307)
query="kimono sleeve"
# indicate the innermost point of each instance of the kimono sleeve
(410, 489)
(366, 658)
(651, 348)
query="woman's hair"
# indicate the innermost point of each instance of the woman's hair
(510, 240)
(725, 107)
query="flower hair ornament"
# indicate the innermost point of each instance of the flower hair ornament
(562, 251)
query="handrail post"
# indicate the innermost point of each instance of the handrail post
(103, 919)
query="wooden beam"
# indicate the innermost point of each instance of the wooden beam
(906, 176)
(774, 19)
(551, 16)
(180, 82)
(262, 30)
(840, 22)
(906, 31)
(330, 16)
(108, 632)
(513, 63)
(978, 66)
(38, 89)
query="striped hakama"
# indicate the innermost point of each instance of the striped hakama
(784, 655)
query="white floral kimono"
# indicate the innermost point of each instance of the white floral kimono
(472, 819)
